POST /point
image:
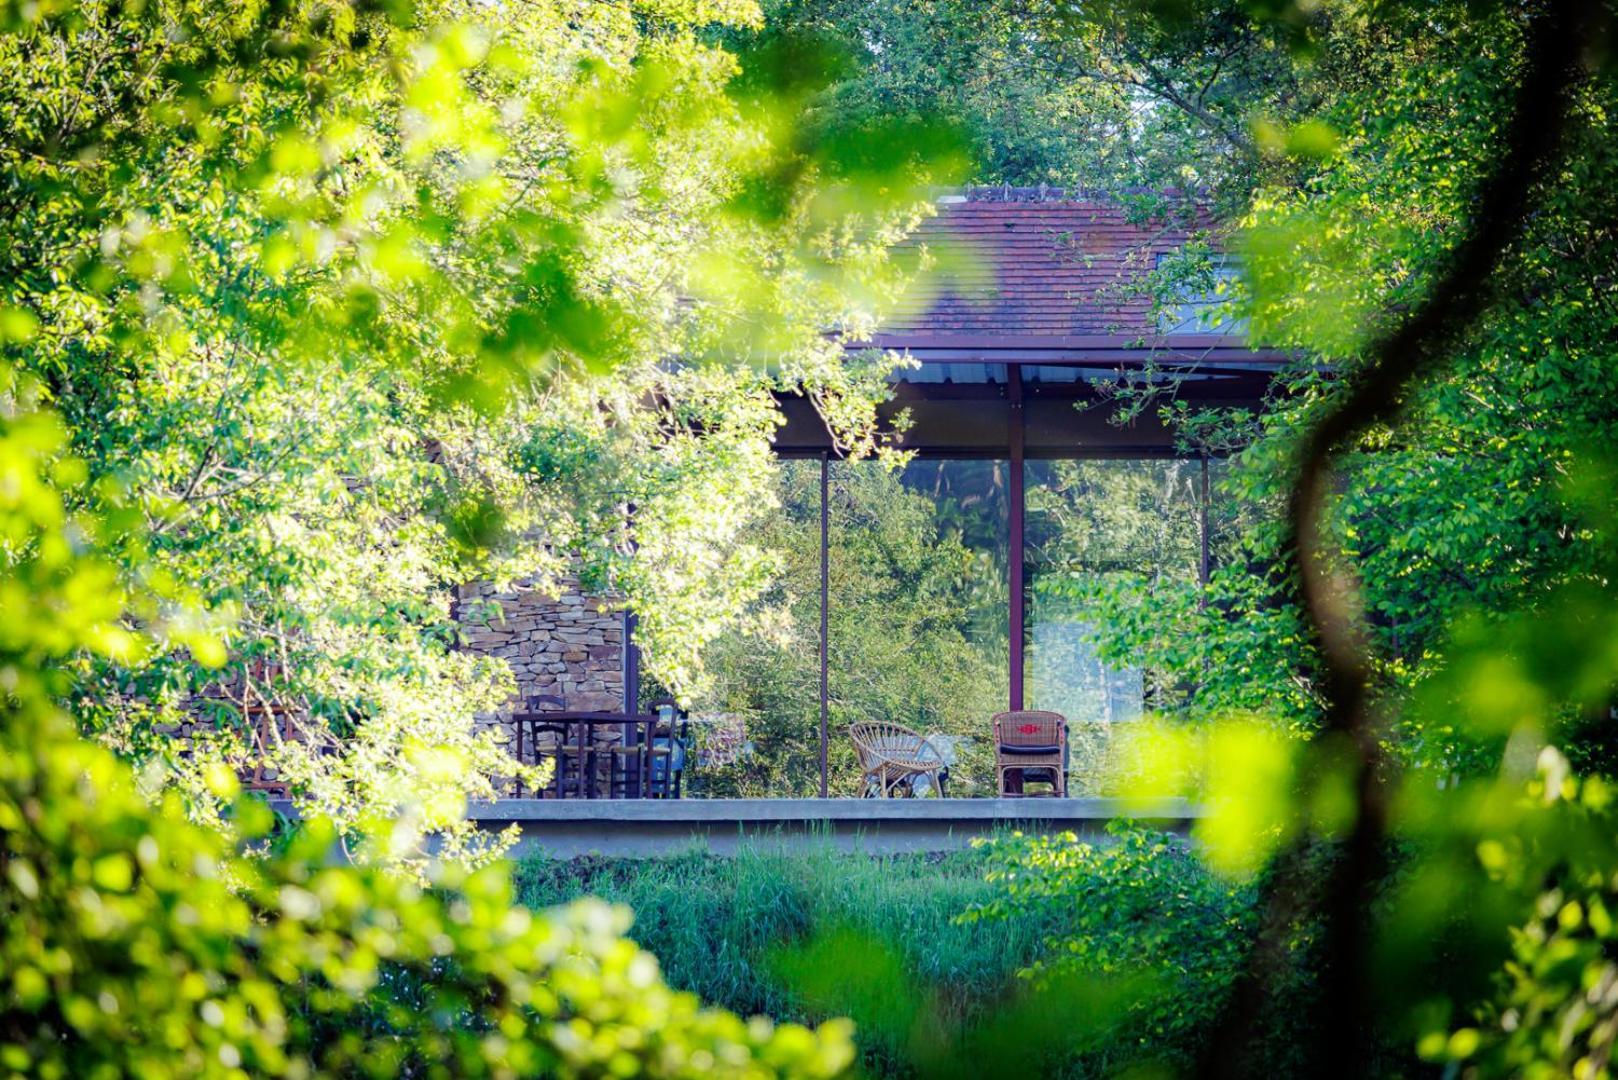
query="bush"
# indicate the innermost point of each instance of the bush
(135, 944)
(1142, 912)
(713, 922)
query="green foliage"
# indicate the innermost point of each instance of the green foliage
(1051, 1029)
(916, 619)
(1555, 1013)
(285, 290)
(1458, 508)
(1109, 543)
(814, 933)
(135, 942)
(1142, 912)
(713, 922)
(311, 311)
(347, 305)
(1470, 529)
(1025, 951)
(1105, 97)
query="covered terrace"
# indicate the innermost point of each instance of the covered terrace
(1026, 341)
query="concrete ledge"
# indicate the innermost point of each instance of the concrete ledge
(567, 828)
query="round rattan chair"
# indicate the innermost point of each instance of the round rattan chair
(891, 757)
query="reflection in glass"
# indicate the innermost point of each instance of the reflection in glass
(918, 562)
(1099, 532)
(757, 727)
(1067, 675)
(919, 599)
(952, 374)
(917, 619)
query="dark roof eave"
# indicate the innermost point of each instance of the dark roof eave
(1089, 348)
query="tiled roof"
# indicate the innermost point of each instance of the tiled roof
(1032, 265)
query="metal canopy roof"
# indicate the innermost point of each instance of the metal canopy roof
(968, 400)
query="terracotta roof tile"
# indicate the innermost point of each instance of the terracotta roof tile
(1030, 268)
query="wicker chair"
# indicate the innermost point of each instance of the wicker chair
(1034, 745)
(892, 756)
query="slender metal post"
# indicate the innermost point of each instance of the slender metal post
(1202, 525)
(1015, 500)
(631, 673)
(1204, 564)
(825, 577)
(629, 659)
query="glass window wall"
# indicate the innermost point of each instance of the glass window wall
(917, 589)
(920, 561)
(919, 615)
(1101, 536)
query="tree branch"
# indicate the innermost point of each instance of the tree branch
(1414, 348)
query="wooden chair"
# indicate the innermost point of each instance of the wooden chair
(1034, 745)
(891, 756)
(654, 769)
(565, 763)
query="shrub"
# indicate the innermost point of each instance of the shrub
(731, 929)
(1046, 955)
(1141, 913)
(713, 922)
(1554, 1007)
(134, 943)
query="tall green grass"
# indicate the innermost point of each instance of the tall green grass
(714, 922)
(1149, 940)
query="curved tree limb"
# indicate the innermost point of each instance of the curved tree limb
(1413, 349)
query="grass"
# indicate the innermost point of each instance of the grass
(714, 922)
(1145, 943)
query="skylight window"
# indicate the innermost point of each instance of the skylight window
(1204, 304)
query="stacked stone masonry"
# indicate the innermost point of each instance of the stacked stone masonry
(567, 645)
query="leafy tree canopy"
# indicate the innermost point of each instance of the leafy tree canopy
(1348, 147)
(285, 289)
(342, 306)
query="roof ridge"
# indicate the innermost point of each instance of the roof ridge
(1048, 193)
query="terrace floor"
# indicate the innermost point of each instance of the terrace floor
(567, 828)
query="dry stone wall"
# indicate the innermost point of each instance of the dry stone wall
(567, 644)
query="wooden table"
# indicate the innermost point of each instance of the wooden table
(576, 739)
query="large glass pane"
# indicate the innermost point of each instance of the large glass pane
(758, 725)
(918, 632)
(1099, 533)
(952, 374)
(919, 610)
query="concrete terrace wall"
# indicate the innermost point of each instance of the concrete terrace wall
(569, 645)
(638, 828)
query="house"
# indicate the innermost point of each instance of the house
(1033, 321)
